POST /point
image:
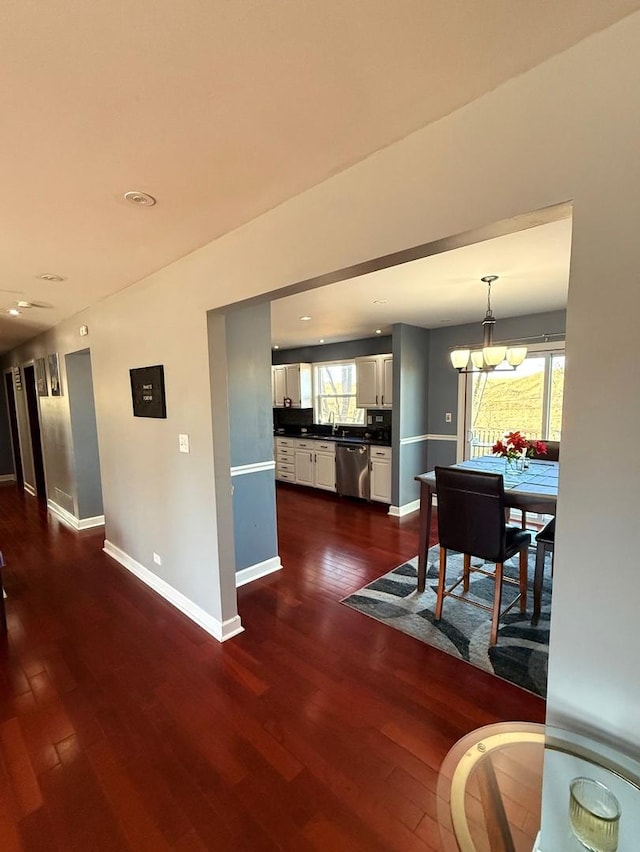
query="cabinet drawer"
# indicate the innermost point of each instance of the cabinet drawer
(286, 467)
(325, 447)
(284, 442)
(380, 453)
(285, 453)
(286, 476)
(304, 445)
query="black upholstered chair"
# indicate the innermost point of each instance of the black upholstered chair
(552, 454)
(471, 521)
(545, 543)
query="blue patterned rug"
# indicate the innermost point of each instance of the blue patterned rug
(522, 651)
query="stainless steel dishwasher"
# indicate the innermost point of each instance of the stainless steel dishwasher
(352, 470)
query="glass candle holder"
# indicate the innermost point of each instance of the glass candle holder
(594, 813)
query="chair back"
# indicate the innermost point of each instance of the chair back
(471, 512)
(552, 454)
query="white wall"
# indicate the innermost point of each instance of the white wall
(569, 129)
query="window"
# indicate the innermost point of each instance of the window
(527, 399)
(335, 394)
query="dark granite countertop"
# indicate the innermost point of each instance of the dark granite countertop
(337, 438)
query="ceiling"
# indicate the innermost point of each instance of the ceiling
(443, 289)
(221, 110)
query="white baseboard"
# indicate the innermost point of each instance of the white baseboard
(260, 569)
(70, 520)
(30, 489)
(7, 477)
(407, 509)
(220, 630)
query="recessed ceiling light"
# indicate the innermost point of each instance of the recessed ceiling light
(305, 319)
(321, 340)
(380, 301)
(22, 304)
(13, 312)
(378, 331)
(140, 199)
(50, 276)
(275, 346)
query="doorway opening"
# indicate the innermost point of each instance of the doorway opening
(13, 428)
(35, 435)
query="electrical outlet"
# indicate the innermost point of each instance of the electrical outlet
(447, 417)
(83, 330)
(157, 559)
(183, 443)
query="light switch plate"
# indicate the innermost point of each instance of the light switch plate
(183, 443)
(447, 417)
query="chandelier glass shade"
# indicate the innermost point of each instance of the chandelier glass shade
(492, 355)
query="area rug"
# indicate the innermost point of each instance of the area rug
(522, 651)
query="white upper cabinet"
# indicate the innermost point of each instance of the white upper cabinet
(291, 381)
(374, 381)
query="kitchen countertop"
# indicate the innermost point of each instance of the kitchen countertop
(346, 439)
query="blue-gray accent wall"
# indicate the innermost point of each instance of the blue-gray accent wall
(248, 348)
(84, 434)
(410, 409)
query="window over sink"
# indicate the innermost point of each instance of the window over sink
(334, 394)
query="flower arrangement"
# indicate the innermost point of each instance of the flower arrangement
(515, 446)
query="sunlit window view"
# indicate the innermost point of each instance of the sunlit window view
(335, 389)
(527, 399)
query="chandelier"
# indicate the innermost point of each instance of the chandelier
(491, 356)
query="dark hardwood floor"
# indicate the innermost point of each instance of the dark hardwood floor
(123, 726)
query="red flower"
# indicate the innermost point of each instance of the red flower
(499, 449)
(537, 448)
(517, 441)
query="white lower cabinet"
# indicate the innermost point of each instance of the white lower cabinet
(380, 461)
(325, 467)
(306, 462)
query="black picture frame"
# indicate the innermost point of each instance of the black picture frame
(54, 375)
(42, 384)
(147, 391)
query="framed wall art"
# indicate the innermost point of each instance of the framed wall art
(54, 375)
(147, 391)
(42, 384)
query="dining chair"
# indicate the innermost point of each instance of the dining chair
(471, 521)
(552, 454)
(545, 543)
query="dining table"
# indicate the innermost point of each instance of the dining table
(533, 488)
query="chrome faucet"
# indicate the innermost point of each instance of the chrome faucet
(332, 421)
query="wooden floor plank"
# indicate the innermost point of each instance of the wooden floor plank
(125, 727)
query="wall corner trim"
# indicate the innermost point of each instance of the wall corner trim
(30, 489)
(406, 509)
(220, 630)
(260, 569)
(8, 477)
(71, 521)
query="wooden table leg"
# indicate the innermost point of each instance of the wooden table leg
(426, 494)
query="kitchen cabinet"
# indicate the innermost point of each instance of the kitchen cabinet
(285, 460)
(380, 462)
(292, 381)
(306, 462)
(324, 475)
(374, 381)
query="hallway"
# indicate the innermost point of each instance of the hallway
(123, 726)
